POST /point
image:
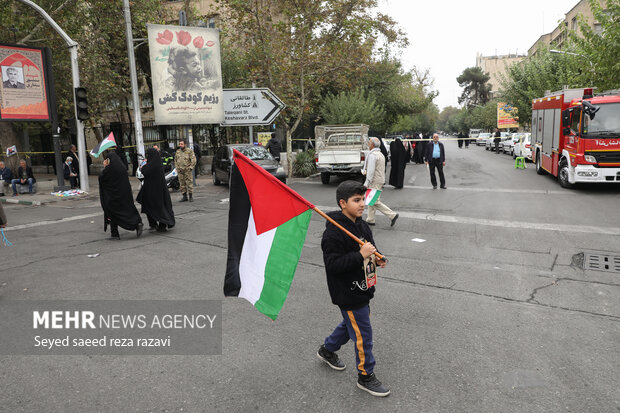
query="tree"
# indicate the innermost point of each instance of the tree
(451, 120)
(477, 90)
(531, 78)
(601, 50)
(352, 107)
(482, 117)
(296, 47)
(97, 26)
(425, 121)
(400, 93)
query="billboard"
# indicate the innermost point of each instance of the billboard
(507, 116)
(23, 90)
(187, 74)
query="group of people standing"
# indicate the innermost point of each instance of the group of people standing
(418, 150)
(116, 195)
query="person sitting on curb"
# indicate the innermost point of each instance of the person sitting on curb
(24, 176)
(5, 177)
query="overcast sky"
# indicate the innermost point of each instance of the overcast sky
(445, 35)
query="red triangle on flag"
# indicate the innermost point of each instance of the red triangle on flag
(273, 203)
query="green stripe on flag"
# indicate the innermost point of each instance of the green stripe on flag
(281, 264)
(374, 198)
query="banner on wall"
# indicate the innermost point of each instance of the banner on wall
(187, 75)
(23, 89)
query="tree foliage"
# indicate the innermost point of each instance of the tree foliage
(424, 121)
(352, 107)
(531, 78)
(297, 47)
(603, 49)
(98, 27)
(476, 87)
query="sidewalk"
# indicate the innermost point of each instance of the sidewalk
(45, 186)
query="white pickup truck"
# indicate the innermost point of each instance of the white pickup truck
(340, 149)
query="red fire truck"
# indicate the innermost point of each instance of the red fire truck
(576, 136)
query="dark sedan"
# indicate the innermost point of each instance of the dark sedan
(223, 159)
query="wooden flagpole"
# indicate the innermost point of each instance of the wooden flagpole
(356, 239)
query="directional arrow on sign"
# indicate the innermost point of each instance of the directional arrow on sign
(246, 107)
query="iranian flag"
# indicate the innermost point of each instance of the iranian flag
(267, 226)
(107, 143)
(371, 197)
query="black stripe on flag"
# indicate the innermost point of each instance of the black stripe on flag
(238, 216)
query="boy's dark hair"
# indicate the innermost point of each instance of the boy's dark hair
(347, 189)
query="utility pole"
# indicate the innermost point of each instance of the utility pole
(137, 113)
(75, 75)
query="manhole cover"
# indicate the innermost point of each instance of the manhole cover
(602, 262)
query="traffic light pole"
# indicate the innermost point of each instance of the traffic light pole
(137, 114)
(75, 73)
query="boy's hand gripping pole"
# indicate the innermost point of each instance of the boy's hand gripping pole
(356, 239)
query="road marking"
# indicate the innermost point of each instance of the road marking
(501, 223)
(463, 188)
(58, 221)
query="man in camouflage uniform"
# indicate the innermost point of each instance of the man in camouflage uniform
(185, 161)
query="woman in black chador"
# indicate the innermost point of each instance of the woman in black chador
(398, 159)
(154, 195)
(116, 197)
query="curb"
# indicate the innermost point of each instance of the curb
(19, 201)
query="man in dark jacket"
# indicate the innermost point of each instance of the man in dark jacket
(349, 269)
(436, 158)
(274, 146)
(497, 139)
(75, 163)
(5, 177)
(24, 176)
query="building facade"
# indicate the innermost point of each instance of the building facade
(557, 38)
(496, 67)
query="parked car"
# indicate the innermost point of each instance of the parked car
(490, 142)
(508, 146)
(524, 147)
(481, 140)
(223, 160)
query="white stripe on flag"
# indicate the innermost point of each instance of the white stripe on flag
(253, 261)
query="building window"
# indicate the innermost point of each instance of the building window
(598, 29)
(573, 24)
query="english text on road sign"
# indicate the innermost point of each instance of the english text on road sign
(244, 107)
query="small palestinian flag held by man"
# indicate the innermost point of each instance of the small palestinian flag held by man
(267, 226)
(107, 143)
(371, 196)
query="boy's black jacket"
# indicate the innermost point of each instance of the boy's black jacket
(344, 263)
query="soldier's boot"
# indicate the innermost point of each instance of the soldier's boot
(191, 198)
(184, 199)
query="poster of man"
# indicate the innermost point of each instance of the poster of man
(23, 91)
(187, 77)
(13, 77)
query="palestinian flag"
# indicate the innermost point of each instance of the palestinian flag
(107, 143)
(267, 226)
(371, 197)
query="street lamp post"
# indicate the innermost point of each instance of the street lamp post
(137, 114)
(75, 75)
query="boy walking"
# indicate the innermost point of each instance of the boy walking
(345, 263)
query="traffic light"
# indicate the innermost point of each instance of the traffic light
(82, 103)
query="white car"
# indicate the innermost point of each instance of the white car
(490, 142)
(508, 146)
(524, 147)
(482, 138)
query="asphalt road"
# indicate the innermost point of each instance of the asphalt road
(492, 312)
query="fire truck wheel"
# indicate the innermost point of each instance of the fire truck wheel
(539, 169)
(563, 175)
